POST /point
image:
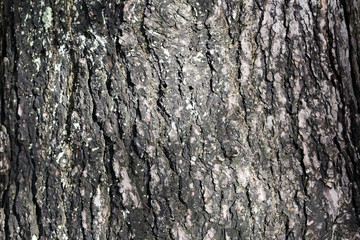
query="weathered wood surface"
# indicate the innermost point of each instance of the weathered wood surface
(180, 119)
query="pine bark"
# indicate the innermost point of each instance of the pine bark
(180, 119)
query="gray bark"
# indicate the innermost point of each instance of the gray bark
(180, 119)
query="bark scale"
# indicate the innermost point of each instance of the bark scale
(180, 119)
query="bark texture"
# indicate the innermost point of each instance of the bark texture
(180, 119)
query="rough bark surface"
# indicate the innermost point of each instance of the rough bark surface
(180, 119)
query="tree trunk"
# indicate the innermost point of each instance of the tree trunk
(180, 119)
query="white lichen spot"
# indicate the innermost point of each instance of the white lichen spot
(333, 196)
(127, 190)
(116, 168)
(189, 106)
(243, 175)
(261, 194)
(155, 179)
(178, 112)
(60, 155)
(210, 234)
(270, 122)
(303, 116)
(166, 52)
(198, 57)
(20, 110)
(278, 88)
(180, 233)
(151, 150)
(225, 211)
(232, 102)
(83, 218)
(76, 126)
(37, 62)
(209, 204)
(34, 237)
(47, 18)
(94, 149)
(197, 131)
(173, 130)
(97, 198)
